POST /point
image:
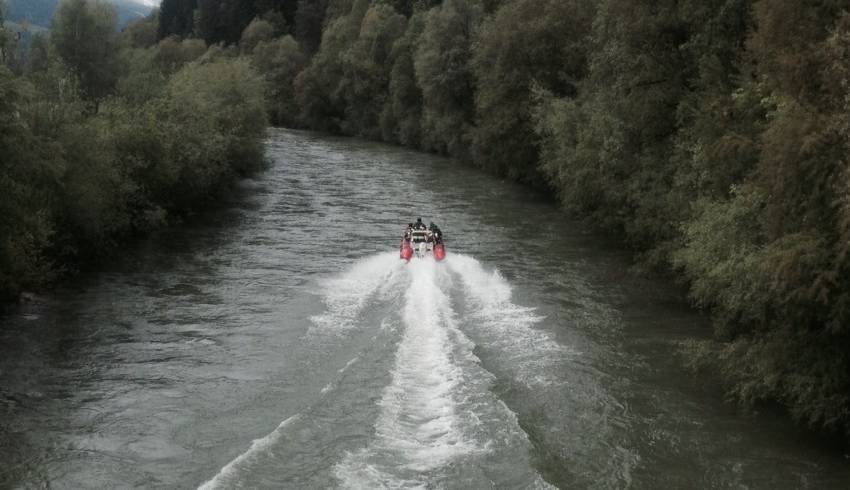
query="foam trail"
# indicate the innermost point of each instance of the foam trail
(418, 428)
(224, 477)
(507, 326)
(347, 295)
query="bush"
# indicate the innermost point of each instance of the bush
(258, 31)
(28, 172)
(75, 183)
(280, 61)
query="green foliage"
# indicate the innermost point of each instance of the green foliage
(75, 182)
(27, 180)
(366, 70)
(176, 18)
(402, 113)
(93, 193)
(309, 20)
(280, 61)
(720, 254)
(443, 71)
(713, 135)
(142, 33)
(223, 21)
(514, 51)
(227, 95)
(259, 30)
(84, 36)
(319, 88)
(172, 54)
(5, 35)
(570, 141)
(768, 260)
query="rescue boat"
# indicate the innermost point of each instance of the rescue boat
(421, 244)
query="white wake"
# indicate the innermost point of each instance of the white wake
(509, 328)
(418, 428)
(226, 476)
(345, 296)
(438, 408)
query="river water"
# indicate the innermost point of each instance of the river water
(279, 342)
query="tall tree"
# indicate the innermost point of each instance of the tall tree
(366, 67)
(176, 18)
(402, 115)
(608, 152)
(85, 37)
(526, 44)
(309, 22)
(280, 61)
(223, 21)
(443, 71)
(4, 41)
(29, 170)
(320, 88)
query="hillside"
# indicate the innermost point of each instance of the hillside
(39, 12)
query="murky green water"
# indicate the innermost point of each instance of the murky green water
(280, 343)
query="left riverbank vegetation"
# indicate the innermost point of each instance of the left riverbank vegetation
(106, 135)
(712, 135)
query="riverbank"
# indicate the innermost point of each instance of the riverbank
(94, 157)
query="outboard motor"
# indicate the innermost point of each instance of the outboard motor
(439, 251)
(406, 251)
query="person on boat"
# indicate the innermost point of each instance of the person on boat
(419, 225)
(408, 232)
(436, 233)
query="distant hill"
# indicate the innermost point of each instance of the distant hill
(40, 12)
(25, 34)
(32, 28)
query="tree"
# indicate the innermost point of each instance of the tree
(402, 114)
(7, 38)
(309, 22)
(85, 38)
(3, 39)
(176, 18)
(29, 171)
(319, 88)
(443, 72)
(259, 30)
(280, 61)
(142, 33)
(608, 152)
(366, 70)
(223, 21)
(525, 44)
(172, 54)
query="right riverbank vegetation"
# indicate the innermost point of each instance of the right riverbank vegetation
(711, 134)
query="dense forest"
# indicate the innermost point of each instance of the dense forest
(106, 135)
(712, 135)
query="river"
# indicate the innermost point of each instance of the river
(279, 342)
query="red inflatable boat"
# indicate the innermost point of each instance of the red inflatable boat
(420, 244)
